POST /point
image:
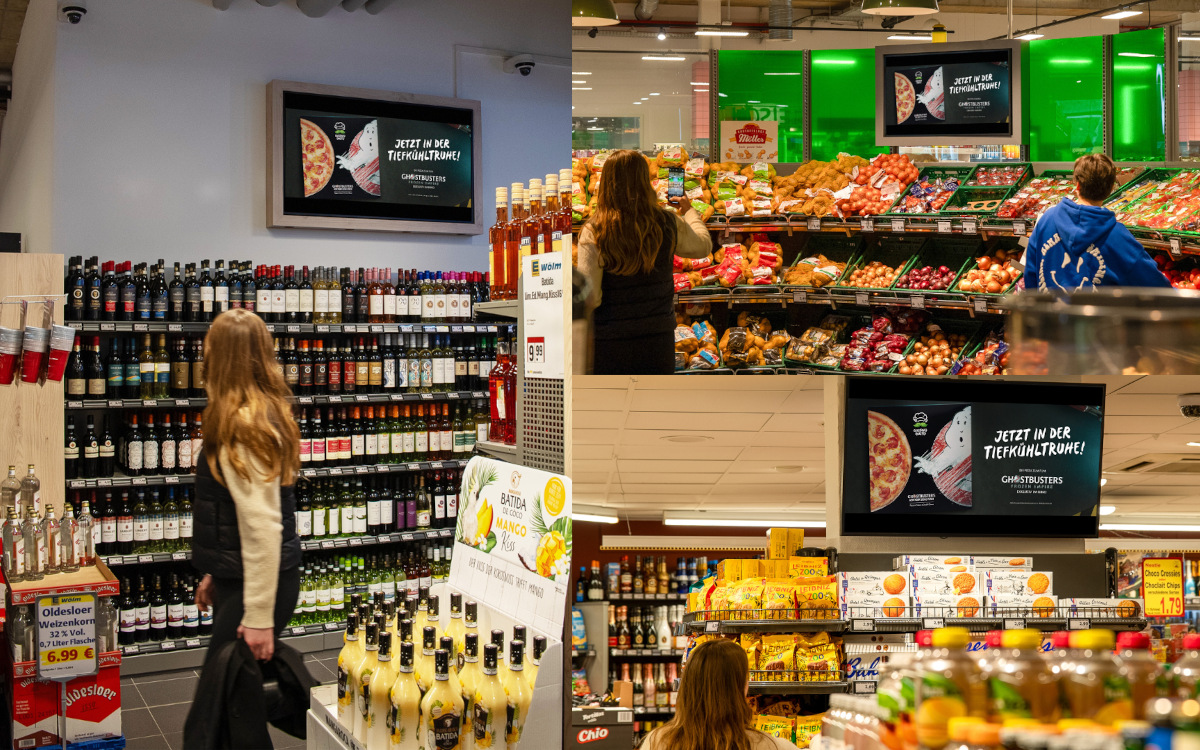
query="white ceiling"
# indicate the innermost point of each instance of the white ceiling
(749, 426)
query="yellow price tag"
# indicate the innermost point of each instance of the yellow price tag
(68, 654)
(1162, 586)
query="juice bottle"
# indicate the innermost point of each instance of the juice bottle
(958, 730)
(890, 697)
(350, 656)
(362, 682)
(949, 684)
(379, 695)
(1141, 669)
(1020, 682)
(519, 695)
(425, 664)
(1062, 657)
(1185, 673)
(491, 704)
(986, 657)
(405, 719)
(1094, 687)
(906, 729)
(470, 677)
(442, 708)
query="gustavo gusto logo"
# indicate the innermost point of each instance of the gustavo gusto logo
(920, 424)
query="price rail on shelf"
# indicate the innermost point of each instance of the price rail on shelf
(869, 620)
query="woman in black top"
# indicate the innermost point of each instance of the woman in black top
(627, 249)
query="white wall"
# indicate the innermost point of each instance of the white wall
(160, 119)
(27, 145)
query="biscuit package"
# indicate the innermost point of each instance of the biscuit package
(808, 567)
(780, 727)
(817, 598)
(1019, 582)
(777, 661)
(1021, 605)
(807, 727)
(948, 605)
(883, 593)
(927, 581)
(1101, 608)
(745, 599)
(904, 562)
(751, 643)
(1003, 562)
(778, 599)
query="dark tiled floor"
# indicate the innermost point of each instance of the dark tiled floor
(155, 706)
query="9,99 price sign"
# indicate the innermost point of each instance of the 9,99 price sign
(66, 629)
(1162, 586)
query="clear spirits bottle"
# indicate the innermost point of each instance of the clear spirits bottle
(31, 490)
(68, 540)
(49, 542)
(14, 547)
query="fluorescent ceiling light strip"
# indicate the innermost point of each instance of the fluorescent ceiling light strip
(1107, 510)
(699, 83)
(1121, 14)
(1134, 54)
(716, 32)
(1030, 37)
(580, 74)
(911, 38)
(676, 58)
(594, 518)
(581, 88)
(1148, 527)
(1189, 38)
(577, 82)
(762, 523)
(783, 74)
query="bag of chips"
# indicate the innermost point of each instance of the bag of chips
(751, 643)
(777, 661)
(807, 727)
(779, 599)
(745, 599)
(817, 598)
(775, 726)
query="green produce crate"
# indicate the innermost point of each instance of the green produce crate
(1129, 195)
(837, 247)
(895, 250)
(857, 320)
(966, 327)
(1164, 231)
(958, 253)
(928, 173)
(1026, 173)
(1005, 243)
(958, 205)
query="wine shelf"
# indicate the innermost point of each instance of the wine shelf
(120, 480)
(346, 398)
(162, 326)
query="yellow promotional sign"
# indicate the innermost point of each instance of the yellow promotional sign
(1162, 586)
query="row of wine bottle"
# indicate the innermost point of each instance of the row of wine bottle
(279, 294)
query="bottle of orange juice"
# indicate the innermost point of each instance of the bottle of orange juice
(950, 684)
(1185, 673)
(1094, 687)
(1020, 682)
(1138, 665)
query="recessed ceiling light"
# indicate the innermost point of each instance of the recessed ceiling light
(1030, 37)
(662, 34)
(653, 93)
(578, 82)
(1121, 14)
(720, 94)
(699, 83)
(580, 74)
(911, 38)
(637, 102)
(581, 88)
(720, 32)
(1107, 510)
(753, 101)
(689, 438)
(1103, 481)
(672, 58)
(1189, 38)
(1148, 527)
(645, 98)
(1193, 444)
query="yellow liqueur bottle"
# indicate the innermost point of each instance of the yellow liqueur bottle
(539, 648)
(456, 629)
(519, 695)
(470, 677)
(442, 708)
(350, 655)
(379, 695)
(404, 721)
(362, 679)
(424, 666)
(490, 704)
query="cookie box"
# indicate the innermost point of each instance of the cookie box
(929, 582)
(904, 562)
(1021, 605)
(949, 605)
(884, 593)
(1100, 608)
(1029, 582)
(1003, 562)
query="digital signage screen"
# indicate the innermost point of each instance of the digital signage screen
(358, 159)
(951, 95)
(938, 458)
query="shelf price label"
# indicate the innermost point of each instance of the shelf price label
(1014, 624)
(864, 687)
(66, 636)
(933, 623)
(712, 627)
(918, 301)
(1176, 248)
(1018, 229)
(944, 226)
(814, 223)
(1078, 623)
(800, 297)
(868, 223)
(1162, 586)
(862, 625)
(980, 304)
(897, 225)
(861, 298)
(970, 226)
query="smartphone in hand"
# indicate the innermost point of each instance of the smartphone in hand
(674, 182)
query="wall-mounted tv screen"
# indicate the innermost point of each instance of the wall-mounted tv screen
(941, 458)
(362, 159)
(951, 93)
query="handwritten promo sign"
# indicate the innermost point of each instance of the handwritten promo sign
(512, 545)
(1162, 586)
(66, 633)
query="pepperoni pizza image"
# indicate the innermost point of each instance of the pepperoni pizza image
(890, 461)
(906, 98)
(317, 159)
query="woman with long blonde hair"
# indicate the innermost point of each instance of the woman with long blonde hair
(711, 712)
(244, 513)
(627, 251)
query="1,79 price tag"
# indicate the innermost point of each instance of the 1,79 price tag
(535, 350)
(1162, 586)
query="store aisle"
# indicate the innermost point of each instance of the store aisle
(155, 706)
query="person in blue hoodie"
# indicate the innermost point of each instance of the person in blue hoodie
(1080, 245)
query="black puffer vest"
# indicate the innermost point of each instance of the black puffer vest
(642, 304)
(216, 544)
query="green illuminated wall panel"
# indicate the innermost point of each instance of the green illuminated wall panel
(757, 85)
(1138, 106)
(1066, 98)
(842, 111)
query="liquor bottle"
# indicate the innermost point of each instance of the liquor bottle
(175, 609)
(70, 543)
(249, 289)
(127, 615)
(181, 370)
(151, 448)
(170, 523)
(158, 611)
(304, 370)
(236, 287)
(34, 545)
(624, 636)
(176, 310)
(405, 698)
(93, 304)
(125, 525)
(162, 369)
(75, 379)
(88, 448)
(442, 708)
(512, 243)
(128, 284)
(519, 693)
(95, 372)
(207, 292)
(49, 542)
(71, 460)
(191, 612)
(31, 490)
(185, 518)
(155, 518)
(497, 383)
(13, 547)
(74, 288)
(141, 607)
(141, 292)
(141, 522)
(132, 381)
(159, 293)
(490, 702)
(115, 371)
(107, 514)
(146, 377)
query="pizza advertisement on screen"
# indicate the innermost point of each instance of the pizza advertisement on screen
(957, 458)
(952, 94)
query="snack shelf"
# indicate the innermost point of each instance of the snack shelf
(576, 653)
(768, 682)
(645, 653)
(638, 598)
(120, 480)
(162, 326)
(761, 621)
(872, 620)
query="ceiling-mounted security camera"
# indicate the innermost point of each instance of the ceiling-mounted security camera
(592, 32)
(1189, 405)
(522, 64)
(72, 11)
(891, 21)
